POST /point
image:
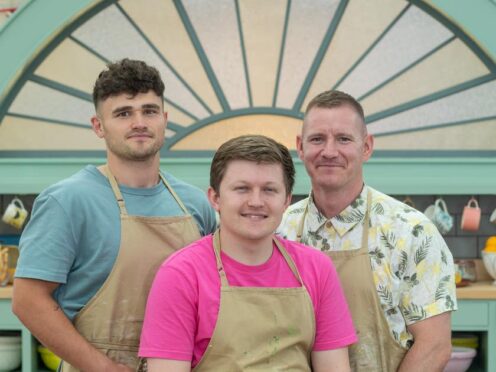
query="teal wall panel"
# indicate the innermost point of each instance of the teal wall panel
(29, 29)
(399, 176)
(476, 17)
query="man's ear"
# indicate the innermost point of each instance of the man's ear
(368, 147)
(97, 126)
(299, 146)
(213, 198)
(288, 201)
(165, 119)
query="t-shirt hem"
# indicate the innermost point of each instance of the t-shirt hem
(41, 275)
(165, 354)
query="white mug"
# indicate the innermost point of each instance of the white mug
(15, 214)
(492, 218)
(439, 215)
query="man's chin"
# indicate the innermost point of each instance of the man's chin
(140, 156)
(327, 184)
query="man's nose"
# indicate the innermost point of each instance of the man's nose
(255, 199)
(138, 119)
(330, 149)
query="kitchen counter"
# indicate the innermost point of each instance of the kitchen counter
(484, 290)
(6, 292)
(476, 313)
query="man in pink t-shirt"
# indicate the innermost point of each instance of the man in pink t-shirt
(243, 298)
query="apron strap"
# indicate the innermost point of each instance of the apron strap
(115, 188)
(120, 198)
(365, 234)
(299, 232)
(220, 267)
(366, 220)
(173, 193)
(289, 260)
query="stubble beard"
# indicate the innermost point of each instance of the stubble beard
(126, 152)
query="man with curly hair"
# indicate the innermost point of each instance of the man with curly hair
(96, 239)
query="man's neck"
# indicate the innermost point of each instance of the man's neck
(332, 202)
(246, 252)
(135, 174)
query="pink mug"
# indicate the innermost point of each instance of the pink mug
(471, 216)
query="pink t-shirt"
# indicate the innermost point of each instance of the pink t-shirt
(184, 300)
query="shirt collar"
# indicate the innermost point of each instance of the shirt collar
(344, 221)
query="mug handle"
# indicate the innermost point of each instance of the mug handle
(441, 204)
(474, 202)
(408, 201)
(18, 202)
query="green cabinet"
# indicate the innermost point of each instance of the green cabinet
(479, 316)
(9, 321)
(472, 315)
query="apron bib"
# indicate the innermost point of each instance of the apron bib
(112, 320)
(260, 329)
(376, 349)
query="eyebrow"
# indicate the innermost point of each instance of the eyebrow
(131, 108)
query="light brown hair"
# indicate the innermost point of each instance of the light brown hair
(256, 148)
(335, 98)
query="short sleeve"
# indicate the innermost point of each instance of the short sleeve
(428, 284)
(333, 319)
(48, 244)
(170, 318)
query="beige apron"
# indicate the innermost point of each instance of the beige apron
(261, 329)
(112, 320)
(376, 350)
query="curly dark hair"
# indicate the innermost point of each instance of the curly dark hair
(127, 76)
(256, 148)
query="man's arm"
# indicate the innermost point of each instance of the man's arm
(431, 349)
(34, 305)
(331, 360)
(168, 365)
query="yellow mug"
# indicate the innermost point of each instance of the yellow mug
(15, 214)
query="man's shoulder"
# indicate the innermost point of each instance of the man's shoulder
(182, 188)
(297, 208)
(289, 224)
(386, 207)
(193, 255)
(85, 181)
(304, 255)
(300, 248)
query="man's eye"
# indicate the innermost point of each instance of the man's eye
(344, 139)
(270, 189)
(241, 188)
(151, 112)
(123, 114)
(315, 140)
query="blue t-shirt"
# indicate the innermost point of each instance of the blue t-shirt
(73, 236)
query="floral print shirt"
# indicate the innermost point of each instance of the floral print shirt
(412, 266)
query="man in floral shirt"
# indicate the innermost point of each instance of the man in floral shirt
(395, 267)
